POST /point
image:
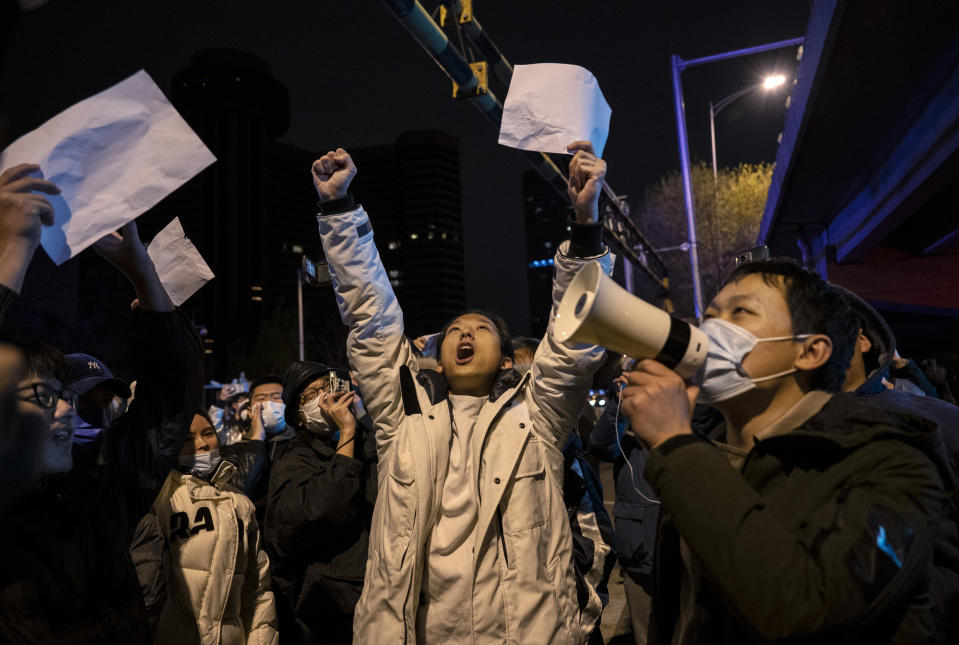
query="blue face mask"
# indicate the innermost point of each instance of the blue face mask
(201, 463)
(85, 434)
(272, 415)
(89, 426)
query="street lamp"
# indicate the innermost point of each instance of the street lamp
(769, 84)
(678, 65)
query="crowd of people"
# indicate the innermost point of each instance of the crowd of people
(441, 489)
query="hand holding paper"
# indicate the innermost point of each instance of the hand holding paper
(124, 250)
(178, 262)
(23, 214)
(114, 156)
(586, 175)
(549, 105)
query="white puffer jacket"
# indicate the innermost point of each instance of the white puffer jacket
(523, 584)
(218, 576)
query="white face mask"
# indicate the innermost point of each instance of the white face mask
(316, 422)
(271, 413)
(201, 463)
(724, 376)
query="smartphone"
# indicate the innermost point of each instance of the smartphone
(309, 268)
(338, 384)
(316, 273)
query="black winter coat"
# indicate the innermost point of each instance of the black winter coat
(254, 460)
(317, 535)
(944, 576)
(67, 576)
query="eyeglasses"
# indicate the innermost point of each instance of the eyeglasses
(46, 396)
(309, 394)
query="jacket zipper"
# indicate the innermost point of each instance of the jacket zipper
(489, 432)
(502, 536)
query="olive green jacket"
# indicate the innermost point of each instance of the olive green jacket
(824, 535)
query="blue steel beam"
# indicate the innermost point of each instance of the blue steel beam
(623, 235)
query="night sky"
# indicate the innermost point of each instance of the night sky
(357, 78)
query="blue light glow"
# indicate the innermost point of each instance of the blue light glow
(883, 543)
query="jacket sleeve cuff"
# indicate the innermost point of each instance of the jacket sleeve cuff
(351, 465)
(336, 206)
(676, 442)
(585, 240)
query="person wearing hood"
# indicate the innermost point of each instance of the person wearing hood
(807, 514)
(100, 402)
(216, 573)
(876, 365)
(875, 351)
(320, 507)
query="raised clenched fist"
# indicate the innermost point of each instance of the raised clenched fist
(332, 174)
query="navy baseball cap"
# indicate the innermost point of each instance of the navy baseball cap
(84, 372)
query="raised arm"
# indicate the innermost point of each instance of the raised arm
(376, 346)
(143, 444)
(561, 374)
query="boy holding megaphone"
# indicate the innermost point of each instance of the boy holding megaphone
(807, 513)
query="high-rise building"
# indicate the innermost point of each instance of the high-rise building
(251, 214)
(411, 189)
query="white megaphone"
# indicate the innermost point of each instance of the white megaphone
(598, 311)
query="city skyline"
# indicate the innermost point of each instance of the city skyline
(384, 84)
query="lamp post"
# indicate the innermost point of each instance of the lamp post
(678, 65)
(769, 83)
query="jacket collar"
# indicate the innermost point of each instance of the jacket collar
(847, 422)
(286, 435)
(223, 473)
(438, 389)
(316, 443)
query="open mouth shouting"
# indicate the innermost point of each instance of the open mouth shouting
(464, 353)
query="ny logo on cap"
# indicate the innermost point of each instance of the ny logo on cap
(93, 365)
